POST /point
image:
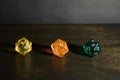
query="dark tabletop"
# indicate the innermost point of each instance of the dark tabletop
(39, 64)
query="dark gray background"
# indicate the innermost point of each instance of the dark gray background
(59, 11)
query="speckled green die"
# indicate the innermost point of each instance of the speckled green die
(91, 48)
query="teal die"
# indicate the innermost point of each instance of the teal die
(91, 48)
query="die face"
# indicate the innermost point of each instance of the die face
(23, 46)
(59, 48)
(91, 48)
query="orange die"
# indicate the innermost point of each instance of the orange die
(59, 48)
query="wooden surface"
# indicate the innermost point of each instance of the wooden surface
(39, 65)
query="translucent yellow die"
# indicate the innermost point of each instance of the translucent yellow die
(23, 46)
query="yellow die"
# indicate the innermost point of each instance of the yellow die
(23, 46)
